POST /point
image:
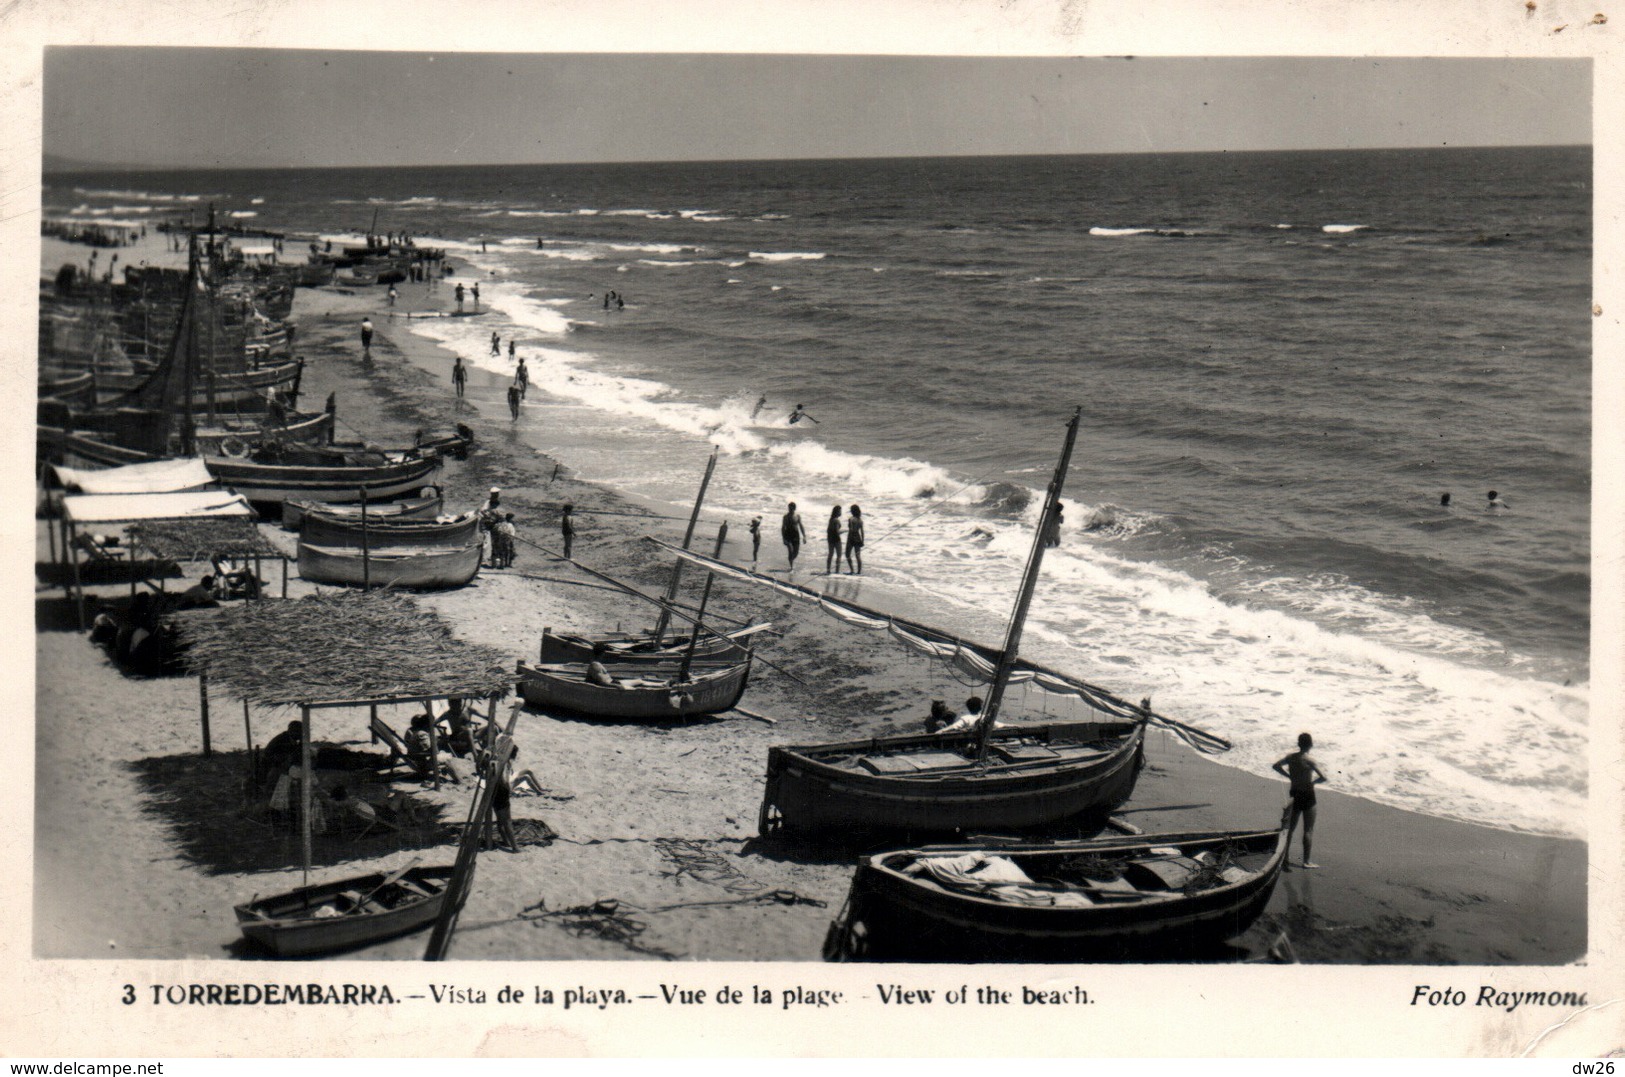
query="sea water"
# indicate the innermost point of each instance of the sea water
(1282, 359)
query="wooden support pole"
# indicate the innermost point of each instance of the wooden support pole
(203, 708)
(305, 774)
(284, 577)
(78, 581)
(248, 740)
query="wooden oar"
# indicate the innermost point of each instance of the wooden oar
(393, 877)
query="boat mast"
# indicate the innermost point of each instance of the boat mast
(688, 537)
(1018, 618)
(705, 598)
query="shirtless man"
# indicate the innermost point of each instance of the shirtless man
(1301, 771)
(793, 533)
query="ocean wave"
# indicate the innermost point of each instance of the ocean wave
(1099, 231)
(787, 256)
(138, 196)
(240, 213)
(1340, 229)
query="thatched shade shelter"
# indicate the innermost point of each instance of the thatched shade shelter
(341, 648)
(202, 539)
(336, 649)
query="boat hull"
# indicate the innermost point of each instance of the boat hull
(893, 915)
(244, 389)
(712, 690)
(425, 569)
(282, 482)
(294, 511)
(806, 793)
(322, 529)
(624, 649)
(286, 924)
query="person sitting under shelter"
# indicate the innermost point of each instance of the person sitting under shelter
(235, 581)
(423, 753)
(459, 728)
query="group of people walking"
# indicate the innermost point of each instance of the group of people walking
(794, 534)
(516, 390)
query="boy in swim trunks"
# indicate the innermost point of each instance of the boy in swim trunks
(1301, 771)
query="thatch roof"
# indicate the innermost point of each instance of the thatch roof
(352, 646)
(204, 538)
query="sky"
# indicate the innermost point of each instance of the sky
(235, 107)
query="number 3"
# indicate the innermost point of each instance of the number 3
(129, 994)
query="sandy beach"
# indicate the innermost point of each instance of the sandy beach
(661, 819)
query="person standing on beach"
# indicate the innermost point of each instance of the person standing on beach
(512, 347)
(459, 376)
(567, 530)
(366, 336)
(1301, 772)
(489, 514)
(854, 540)
(476, 295)
(832, 558)
(514, 396)
(459, 294)
(502, 541)
(521, 375)
(793, 533)
(393, 295)
(755, 538)
(496, 342)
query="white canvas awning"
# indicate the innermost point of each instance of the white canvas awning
(126, 508)
(258, 250)
(158, 477)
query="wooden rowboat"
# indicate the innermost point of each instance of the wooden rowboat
(321, 529)
(646, 691)
(932, 783)
(423, 568)
(631, 650)
(280, 482)
(346, 913)
(424, 507)
(1169, 895)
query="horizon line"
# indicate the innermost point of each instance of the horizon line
(99, 167)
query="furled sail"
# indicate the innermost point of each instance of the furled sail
(976, 661)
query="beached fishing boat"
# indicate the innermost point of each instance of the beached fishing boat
(321, 529)
(641, 650)
(55, 445)
(280, 482)
(76, 390)
(996, 777)
(425, 506)
(1104, 898)
(231, 390)
(643, 692)
(421, 568)
(346, 913)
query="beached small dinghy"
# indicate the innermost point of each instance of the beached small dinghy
(322, 529)
(346, 913)
(422, 568)
(425, 506)
(1177, 895)
(642, 649)
(642, 691)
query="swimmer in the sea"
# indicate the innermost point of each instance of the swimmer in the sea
(1495, 504)
(757, 410)
(799, 414)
